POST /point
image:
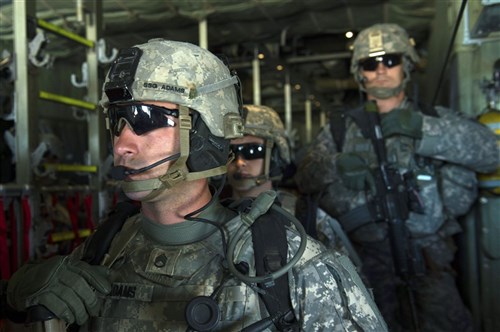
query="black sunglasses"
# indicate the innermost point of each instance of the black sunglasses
(142, 118)
(389, 60)
(249, 151)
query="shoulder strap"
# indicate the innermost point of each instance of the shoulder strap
(100, 241)
(427, 109)
(338, 125)
(306, 209)
(337, 128)
(271, 250)
(359, 117)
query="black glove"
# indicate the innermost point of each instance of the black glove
(62, 284)
(402, 121)
(354, 172)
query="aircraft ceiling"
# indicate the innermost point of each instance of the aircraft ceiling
(307, 36)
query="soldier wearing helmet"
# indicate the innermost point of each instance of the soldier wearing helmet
(185, 261)
(388, 44)
(437, 167)
(260, 155)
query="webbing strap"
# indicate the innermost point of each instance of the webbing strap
(4, 249)
(14, 261)
(26, 227)
(271, 249)
(87, 200)
(98, 245)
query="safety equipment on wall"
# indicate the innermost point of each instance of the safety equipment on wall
(207, 95)
(85, 77)
(50, 149)
(37, 55)
(491, 88)
(379, 40)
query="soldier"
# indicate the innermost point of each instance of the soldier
(261, 156)
(186, 262)
(432, 153)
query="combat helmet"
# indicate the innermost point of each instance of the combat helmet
(263, 121)
(203, 87)
(380, 39)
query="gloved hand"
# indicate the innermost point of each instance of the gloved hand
(64, 285)
(354, 172)
(402, 121)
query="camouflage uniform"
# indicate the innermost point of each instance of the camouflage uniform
(442, 164)
(162, 268)
(449, 194)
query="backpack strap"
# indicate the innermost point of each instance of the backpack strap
(271, 250)
(306, 209)
(267, 222)
(98, 245)
(337, 128)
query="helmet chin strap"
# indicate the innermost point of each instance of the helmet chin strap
(178, 171)
(384, 93)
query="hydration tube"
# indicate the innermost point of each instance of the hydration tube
(276, 274)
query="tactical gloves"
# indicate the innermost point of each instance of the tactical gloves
(354, 172)
(402, 121)
(64, 285)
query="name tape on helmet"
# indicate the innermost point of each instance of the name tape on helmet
(165, 87)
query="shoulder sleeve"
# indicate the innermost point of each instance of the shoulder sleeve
(313, 170)
(327, 292)
(454, 138)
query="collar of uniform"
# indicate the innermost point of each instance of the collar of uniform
(187, 231)
(405, 103)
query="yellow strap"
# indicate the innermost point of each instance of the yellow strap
(71, 167)
(60, 31)
(68, 235)
(66, 100)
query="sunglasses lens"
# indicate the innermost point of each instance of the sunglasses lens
(389, 60)
(141, 118)
(249, 151)
(369, 64)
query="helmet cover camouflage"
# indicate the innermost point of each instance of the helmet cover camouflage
(263, 121)
(188, 75)
(382, 39)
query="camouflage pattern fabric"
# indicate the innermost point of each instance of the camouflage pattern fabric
(325, 233)
(439, 305)
(162, 268)
(287, 199)
(263, 121)
(447, 139)
(380, 39)
(188, 75)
